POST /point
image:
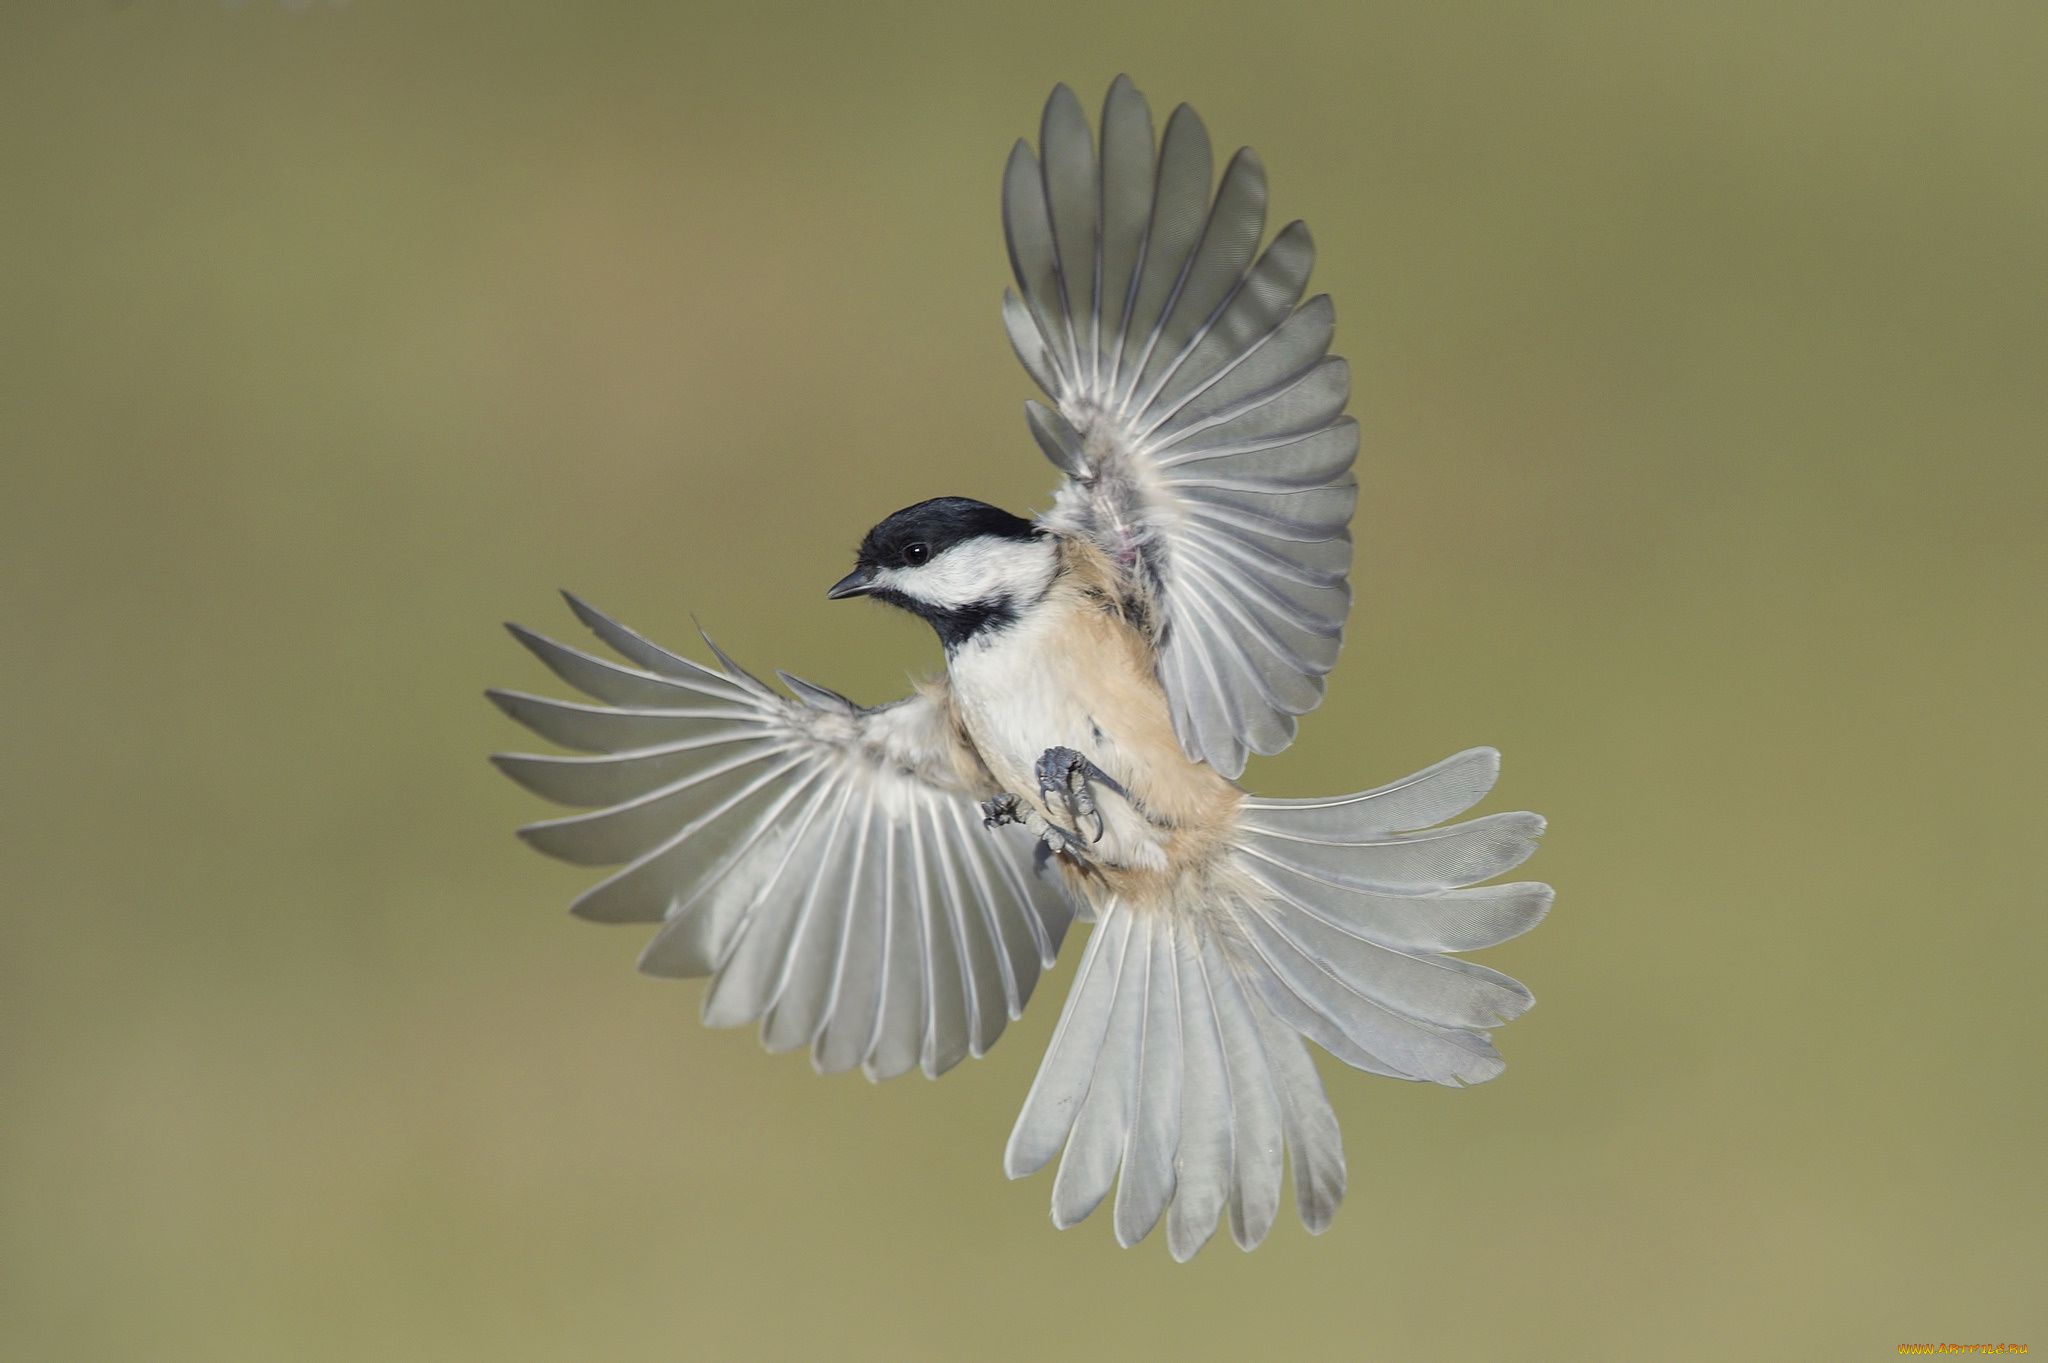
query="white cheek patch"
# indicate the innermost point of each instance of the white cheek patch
(976, 571)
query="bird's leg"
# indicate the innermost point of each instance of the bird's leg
(1065, 774)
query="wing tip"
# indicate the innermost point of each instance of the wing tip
(537, 836)
(532, 640)
(582, 609)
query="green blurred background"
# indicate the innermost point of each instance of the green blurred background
(1700, 356)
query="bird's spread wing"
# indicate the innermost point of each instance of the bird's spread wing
(825, 862)
(1199, 416)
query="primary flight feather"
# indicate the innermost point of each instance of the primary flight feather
(884, 885)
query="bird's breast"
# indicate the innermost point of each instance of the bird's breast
(1017, 695)
(1070, 675)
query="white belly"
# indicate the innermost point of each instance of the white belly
(1016, 693)
(1011, 692)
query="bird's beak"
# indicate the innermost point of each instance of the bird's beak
(855, 583)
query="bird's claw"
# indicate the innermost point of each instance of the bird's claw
(1008, 809)
(1003, 809)
(1063, 779)
(1059, 842)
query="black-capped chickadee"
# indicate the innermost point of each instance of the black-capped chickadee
(884, 885)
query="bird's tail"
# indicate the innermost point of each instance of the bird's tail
(1179, 1056)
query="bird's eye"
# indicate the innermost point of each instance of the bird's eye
(914, 554)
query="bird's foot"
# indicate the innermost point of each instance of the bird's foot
(1004, 809)
(1059, 841)
(1008, 809)
(1063, 779)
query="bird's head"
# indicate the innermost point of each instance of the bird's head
(963, 566)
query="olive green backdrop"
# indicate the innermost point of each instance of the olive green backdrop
(1699, 352)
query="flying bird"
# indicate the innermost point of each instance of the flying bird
(883, 885)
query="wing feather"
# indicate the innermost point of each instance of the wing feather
(899, 1035)
(1245, 357)
(1067, 172)
(1229, 239)
(629, 830)
(1180, 200)
(851, 1014)
(993, 899)
(654, 658)
(695, 861)
(751, 976)
(1195, 410)
(1033, 352)
(823, 862)
(946, 1041)
(1034, 258)
(1127, 180)
(697, 927)
(803, 991)
(981, 975)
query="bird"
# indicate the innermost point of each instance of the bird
(884, 885)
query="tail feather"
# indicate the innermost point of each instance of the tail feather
(1427, 986)
(1436, 859)
(1425, 921)
(1430, 796)
(1063, 1075)
(1102, 1122)
(1358, 1029)
(1179, 1058)
(1203, 1160)
(1256, 1151)
(1148, 1178)
(1313, 1141)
